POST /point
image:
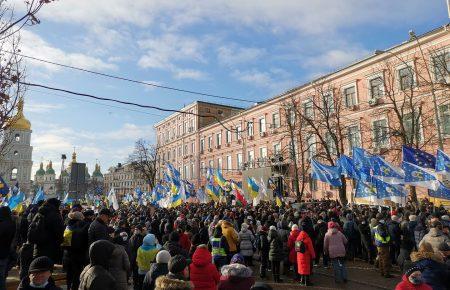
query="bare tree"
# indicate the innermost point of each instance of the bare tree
(145, 160)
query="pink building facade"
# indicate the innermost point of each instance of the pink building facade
(372, 104)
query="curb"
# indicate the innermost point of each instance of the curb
(355, 281)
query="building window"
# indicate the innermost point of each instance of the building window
(311, 149)
(250, 128)
(276, 148)
(180, 130)
(444, 114)
(211, 164)
(202, 168)
(292, 115)
(184, 127)
(412, 134)
(262, 124)
(174, 153)
(406, 78)
(185, 172)
(229, 165)
(192, 173)
(209, 142)
(179, 151)
(202, 145)
(17, 137)
(168, 155)
(251, 158)
(238, 132)
(308, 109)
(331, 145)
(350, 96)
(328, 102)
(228, 136)
(219, 139)
(192, 147)
(441, 67)
(16, 153)
(262, 152)
(312, 183)
(276, 120)
(219, 163)
(376, 87)
(354, 137)
(380, 133)
(185, 150)
(14, 174)
(239, 161)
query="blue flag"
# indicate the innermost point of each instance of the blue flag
(326, 173)
(365, 189)
(442, 192)
(15, 201)
(387, 172)
(361, 160)
(347, 167)
(442, 162)
(418, 157)
(386, 190)
(4, 189)
(40, 195)
(418, 176)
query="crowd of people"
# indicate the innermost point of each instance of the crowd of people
(218, 246)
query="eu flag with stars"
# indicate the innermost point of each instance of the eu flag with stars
(347, 167)
(418, 176)
(387, 172)
(365, 189)
(361, 159)
(442, 192)
(326, 173)
(442, 162)
(386, 190)
(418, 157)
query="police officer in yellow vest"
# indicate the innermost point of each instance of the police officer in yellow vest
(382, 242)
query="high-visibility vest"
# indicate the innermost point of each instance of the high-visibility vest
(217, 249)
(380, 240)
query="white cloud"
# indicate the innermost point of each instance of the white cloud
(232, 54)
(33, 45)
(254, 76)
(275, 79)
(334, 58)
(42, 107)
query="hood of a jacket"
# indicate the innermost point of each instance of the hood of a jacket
(419, 256)
(227, 224)
(434, 232)
(295, 233)
(149, 240)
(201, 257)
(303, 235)
(236, 270)
(100, 253)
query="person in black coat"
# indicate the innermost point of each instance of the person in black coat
(40, 273)
(320, 229)
(98, 230)
(263, 247)
(174, 247)
(7, 232)
(134, 244)
(160, 268)
(395, 233)
(366, 241)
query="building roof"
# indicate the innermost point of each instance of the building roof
(97, 172)
(41, 170)
(50, 169)
(19, 122)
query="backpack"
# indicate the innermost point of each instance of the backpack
(36, 229)
(300, 247)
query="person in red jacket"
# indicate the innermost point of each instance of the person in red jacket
(203, 273)
(412, 280)
(304, 259)
(292, 254)
(185, 242)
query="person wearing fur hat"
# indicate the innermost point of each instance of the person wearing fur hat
(292, 254)
(246, 239)
(40, 275)
(412, 279)
(146, 255)
(434, 271)
(166, 283)
(157, 269)
(202, 272)
(236, 275)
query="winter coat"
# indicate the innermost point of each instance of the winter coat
(98, 230)
(169, 283)
(135, 243)
(76, 253)
(52, 235)
(96, 276)
(185, 242)
(119, 267)
(203, 273)
(437, 240)
(366, 238)
(394, 232)
(276, 246)
(25, 258)
(25, 285)
(174, 249)
(146, 254)
(406, 285)
(419, 233)
(291, 245)
(351, 230)
(156, 270)
(434, 271)
(7, 232)
(320, 229)
(246, 239)
(334, 243)
(231, 235)
(304, 259)
(236, 276)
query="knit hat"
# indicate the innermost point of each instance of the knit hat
(394, 218)
(177, 264)
(76, 215)
(244, 226)
(163, 256)
(413, 218)
(272, 228)
(331, 225)
(294, 227)
(412, 270)
(237, 259)
(444, 218)
(41, 264)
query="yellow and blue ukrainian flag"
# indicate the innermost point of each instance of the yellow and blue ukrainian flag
(252, 187)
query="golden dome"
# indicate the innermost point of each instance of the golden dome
(19, 122)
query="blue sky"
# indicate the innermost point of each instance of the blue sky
(249, 49)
